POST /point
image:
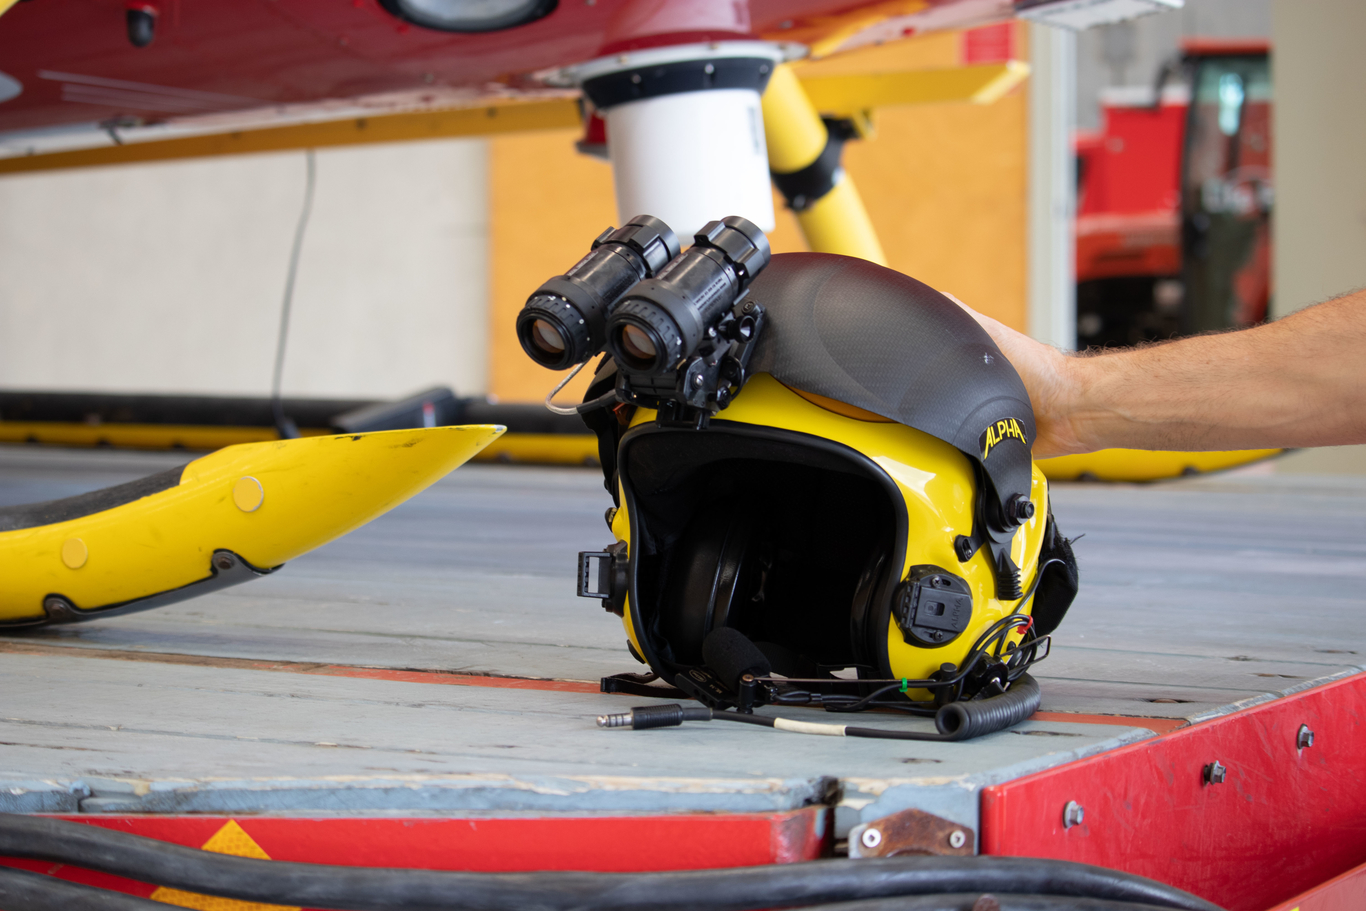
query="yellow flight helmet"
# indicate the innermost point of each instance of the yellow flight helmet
(866, 501)
(844, 487)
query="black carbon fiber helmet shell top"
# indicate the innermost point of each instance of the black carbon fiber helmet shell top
(862, 334)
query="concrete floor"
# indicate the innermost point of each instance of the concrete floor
(1198, 596)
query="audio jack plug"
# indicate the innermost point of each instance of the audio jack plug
(655, 716)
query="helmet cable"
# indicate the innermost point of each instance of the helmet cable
(598, 402)
(955, 721)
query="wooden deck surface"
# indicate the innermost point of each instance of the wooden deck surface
(1198, 596)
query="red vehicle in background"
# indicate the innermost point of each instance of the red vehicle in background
(1174, 201)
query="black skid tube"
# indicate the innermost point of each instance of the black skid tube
(385, 889)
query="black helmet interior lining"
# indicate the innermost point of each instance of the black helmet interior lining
(784, 536)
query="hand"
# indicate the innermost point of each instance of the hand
(1048, 379)
(1298, 381)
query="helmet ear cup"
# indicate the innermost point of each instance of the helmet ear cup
(707, 576)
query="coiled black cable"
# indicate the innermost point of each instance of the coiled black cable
(966, 720)
(385, 889)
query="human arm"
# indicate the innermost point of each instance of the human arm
(1299, 381)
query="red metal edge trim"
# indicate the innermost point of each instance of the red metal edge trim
(1157, 725)
(1283, 820)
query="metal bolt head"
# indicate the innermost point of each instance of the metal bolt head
(1304, 738)
(957, 838)
(1072, 814)
(871, 838)
(1215, 772)
(1021, 509)
(223, 561)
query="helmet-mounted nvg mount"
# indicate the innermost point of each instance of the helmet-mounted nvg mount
(869, 502)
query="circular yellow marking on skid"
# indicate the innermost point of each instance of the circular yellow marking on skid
(247, 494)
(74, 553)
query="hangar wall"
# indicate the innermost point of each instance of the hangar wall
(168, 277)
(1320, 134)
(1320, 131)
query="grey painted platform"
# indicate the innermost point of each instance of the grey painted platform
(1202, 594)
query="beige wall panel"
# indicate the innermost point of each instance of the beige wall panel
(1320, 135)
(168, 277)
(945, 187)
(946, 184)
(546, 204)
(1320, 141)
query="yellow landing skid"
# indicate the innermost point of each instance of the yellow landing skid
(230, 516)
(1139, 465)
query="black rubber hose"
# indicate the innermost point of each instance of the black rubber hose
(973, 718)
(968, 901)
(386, 889)
(21, 890)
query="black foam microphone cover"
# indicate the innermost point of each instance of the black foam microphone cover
(730, 655)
